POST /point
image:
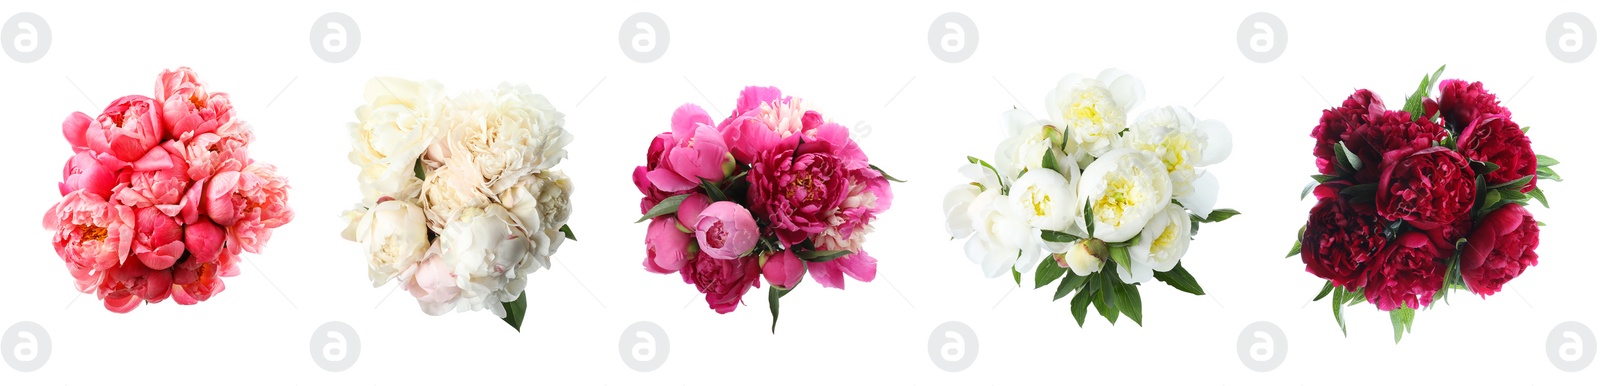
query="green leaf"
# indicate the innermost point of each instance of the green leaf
(1547, 161)
(1401, 318)
(773, 294)
(1180, 279)
(1119, 254)
(1338, 309)
(1106, 300)
(1049, 161)
(1015, 274)
(1414, 101)
(821, 256)
(1307, 190)
(1538, 194)
(1354, 297)
(1218, 215)
(1546, 173)
(1000, 181)
(666, 206)
(419, 170)
(1326, 289)
(1073, 282)
(1297, 239)
(515, 311)
(1435, 79)
(1483, 168)
(1047, 272)
(1363, 190)
(1088, 217)
(885, 174)
(1349, 159)
(712, 190)
(1080, 305)
(567, 230)
(1058, 237)
(1128, 302)
(1517, 183)
(1321, 178)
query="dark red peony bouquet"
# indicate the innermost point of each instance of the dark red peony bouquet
(1414, 203)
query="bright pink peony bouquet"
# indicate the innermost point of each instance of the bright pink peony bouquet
(1414, 203)
(161, 196)
(774, 191)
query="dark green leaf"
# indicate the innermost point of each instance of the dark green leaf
(1047, 272)
(1180, 278)
(419, 170)
(1080, 306)
(1321, 178)
(1538, 194)
(1000, 180)
(1338, 309)
(1363, 190)
(1517, 183)
(1049, 161)
(1349, 159)
(1119, 254)
(1057, 237)
(1218, 215)
(515, 310)
(885, 174)
(1106, 300)
(665, 207)
(1073, 282)
(1354, 297)
(1326, 289)
(821, 256)
(1546, 173)
(1298, 237)
(1128, 302)
(773, 294)
(1414, 101)
(712, 190)
(567, 230)
(1088, 217)
(1547, 161)
(1307, 190)
(1015, 274)
(1483, 168)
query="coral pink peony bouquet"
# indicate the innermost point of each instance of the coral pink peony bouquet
(1416, 202)
(461, 200)
(161, 196)
(775, 191)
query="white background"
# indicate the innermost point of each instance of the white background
(853, 58)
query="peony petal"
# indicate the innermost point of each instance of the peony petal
(687, 118)
(957, 223)
(1204, 198)
(859, 266)
(1219, 142)
(1018, 121)
(1126, 89)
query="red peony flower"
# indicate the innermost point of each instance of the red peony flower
(723, 281)
(1427, 189)
(1406, 272)
(1336, 121)
(1461, 103)
(1496, 139)
(1500, 249)
(1389, 136)
(1340, 238)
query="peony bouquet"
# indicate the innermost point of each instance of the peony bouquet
(1096, 203)
(161, 196)
(773, 191)
(460, 198)
(1417, 202)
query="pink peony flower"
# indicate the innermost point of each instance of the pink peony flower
(161, 188)
(158, 239)
(696, 152)
(187, 107)
(128, 129)
(689, 210)
(783, 269)
(215, 152)
(91, 235)
(250, 203)
(204, 240)
(667, 248)
(84, 172)
(652, 196)
(1500, 249)
(195, 281)
(432, 282)
(763, 119)
(126, 286)
(797, 187)
(860, 266)
(847, 230)
(726, 230)
(724, 281)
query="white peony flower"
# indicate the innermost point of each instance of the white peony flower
(1138, 273)
(1125, 188)
(1181, 143)
(1045, 200)
(958, 222)
(1001, 239)
(1081, 260)
(506, 133)
(1164, 240)
(395, 235)
(542, 203)
(1026, 144)
(489, 256)
(1094, 111)
(399, 122)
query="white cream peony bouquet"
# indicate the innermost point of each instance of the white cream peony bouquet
(460, 198)
(1093, 200)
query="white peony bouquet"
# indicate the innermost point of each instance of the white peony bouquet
(1095, 202)
(460, 198)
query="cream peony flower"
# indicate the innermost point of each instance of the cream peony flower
(450, 189)
(1181, 143)
(1125, 188)
(1164, 240)
(395, 235)
(505, 133)
(1094, 111)
(542, 203)
(399, 121)
(489, 256)
(1081, 260)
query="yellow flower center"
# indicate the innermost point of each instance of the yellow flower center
(92, 233)
(1120, 195)
(1166, 239)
